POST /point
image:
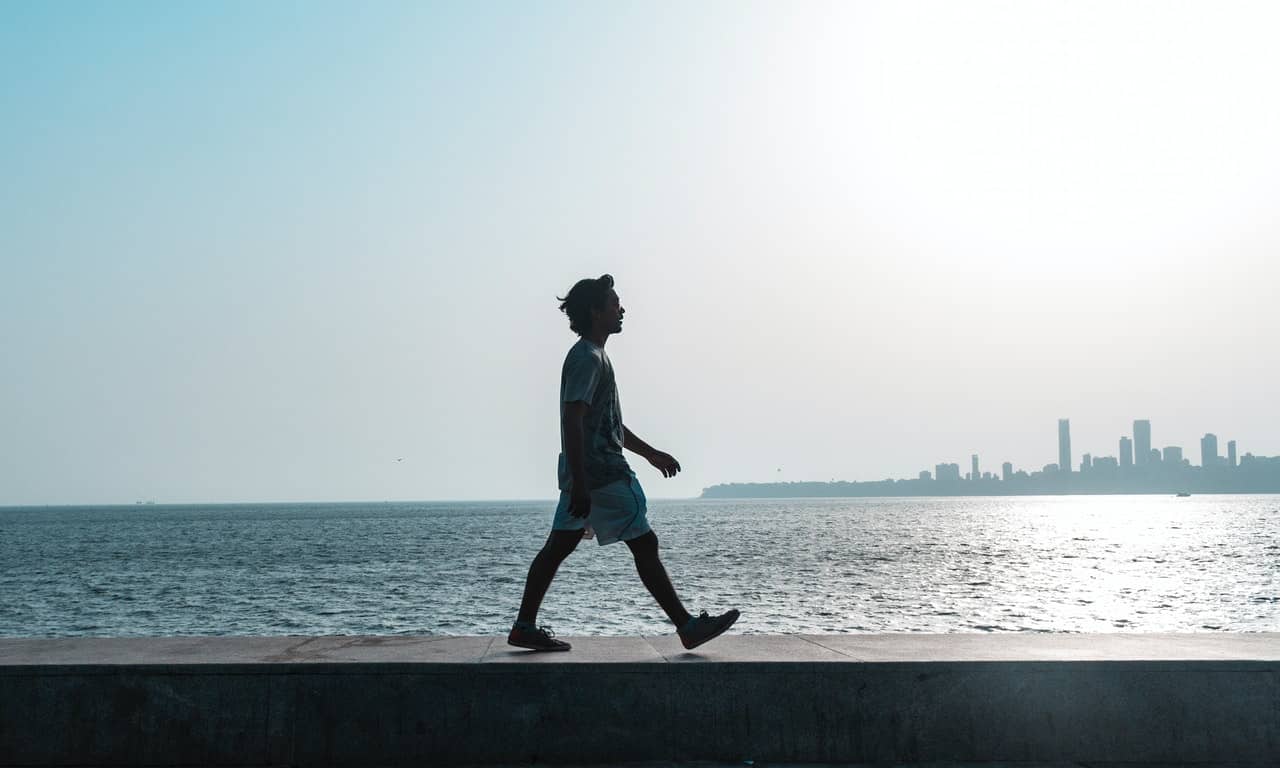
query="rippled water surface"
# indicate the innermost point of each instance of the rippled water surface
(1044, 564)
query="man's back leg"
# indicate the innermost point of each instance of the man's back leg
(559, 545)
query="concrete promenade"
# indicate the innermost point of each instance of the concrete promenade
(420, 700)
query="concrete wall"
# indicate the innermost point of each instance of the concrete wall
(389, 701)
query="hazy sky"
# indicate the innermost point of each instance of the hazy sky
(260, 251)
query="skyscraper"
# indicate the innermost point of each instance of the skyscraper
(1209, 450)
(976, 474)
(1172, 455)
(1141, 442)
(1126, 452)
(1006, 470)
(1064, 445)
(1231, 453)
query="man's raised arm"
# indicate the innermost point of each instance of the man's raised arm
(663, 462)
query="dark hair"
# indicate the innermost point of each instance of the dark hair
(584, 296)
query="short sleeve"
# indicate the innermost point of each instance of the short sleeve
(581, 377)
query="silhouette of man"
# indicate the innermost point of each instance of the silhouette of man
(598, 491)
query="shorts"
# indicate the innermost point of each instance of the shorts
(617, 512)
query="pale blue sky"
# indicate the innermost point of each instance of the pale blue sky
(259, 251)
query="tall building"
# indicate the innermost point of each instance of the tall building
(1126, 452)
(1141, 442)
(1231, 453)
(1209, 450)
(1086, 463)
(976, 474)
(1064, 445)
(1172, 454)
(1006, 470)
(947, 472)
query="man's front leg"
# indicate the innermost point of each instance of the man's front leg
(654, 576)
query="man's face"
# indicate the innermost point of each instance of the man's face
(609, 317)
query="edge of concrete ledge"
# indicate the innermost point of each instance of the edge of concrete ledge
(738, 649)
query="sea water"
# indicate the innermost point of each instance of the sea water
(1006, 564)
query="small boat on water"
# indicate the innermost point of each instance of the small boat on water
(1183, 494)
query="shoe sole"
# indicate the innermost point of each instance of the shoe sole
(566, 647)
(713, 635)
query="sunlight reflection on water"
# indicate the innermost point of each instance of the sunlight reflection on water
(1040, 564)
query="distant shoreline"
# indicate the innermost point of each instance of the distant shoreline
(933, 488)
(745, 491)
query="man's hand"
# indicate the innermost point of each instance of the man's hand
(579, 501)
(664, 463)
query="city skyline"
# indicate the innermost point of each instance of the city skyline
(1160, 470)
(1127, 457)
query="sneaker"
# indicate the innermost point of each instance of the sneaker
(702, 628)
(535, 638)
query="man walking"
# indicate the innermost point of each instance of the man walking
(598, 491)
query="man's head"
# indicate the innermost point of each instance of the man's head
(593, 306)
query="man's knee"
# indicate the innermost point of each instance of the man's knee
(560, 544)
(644, 547)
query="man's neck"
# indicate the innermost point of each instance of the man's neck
(596, 337)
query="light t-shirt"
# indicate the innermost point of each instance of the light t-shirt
(587, 376)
